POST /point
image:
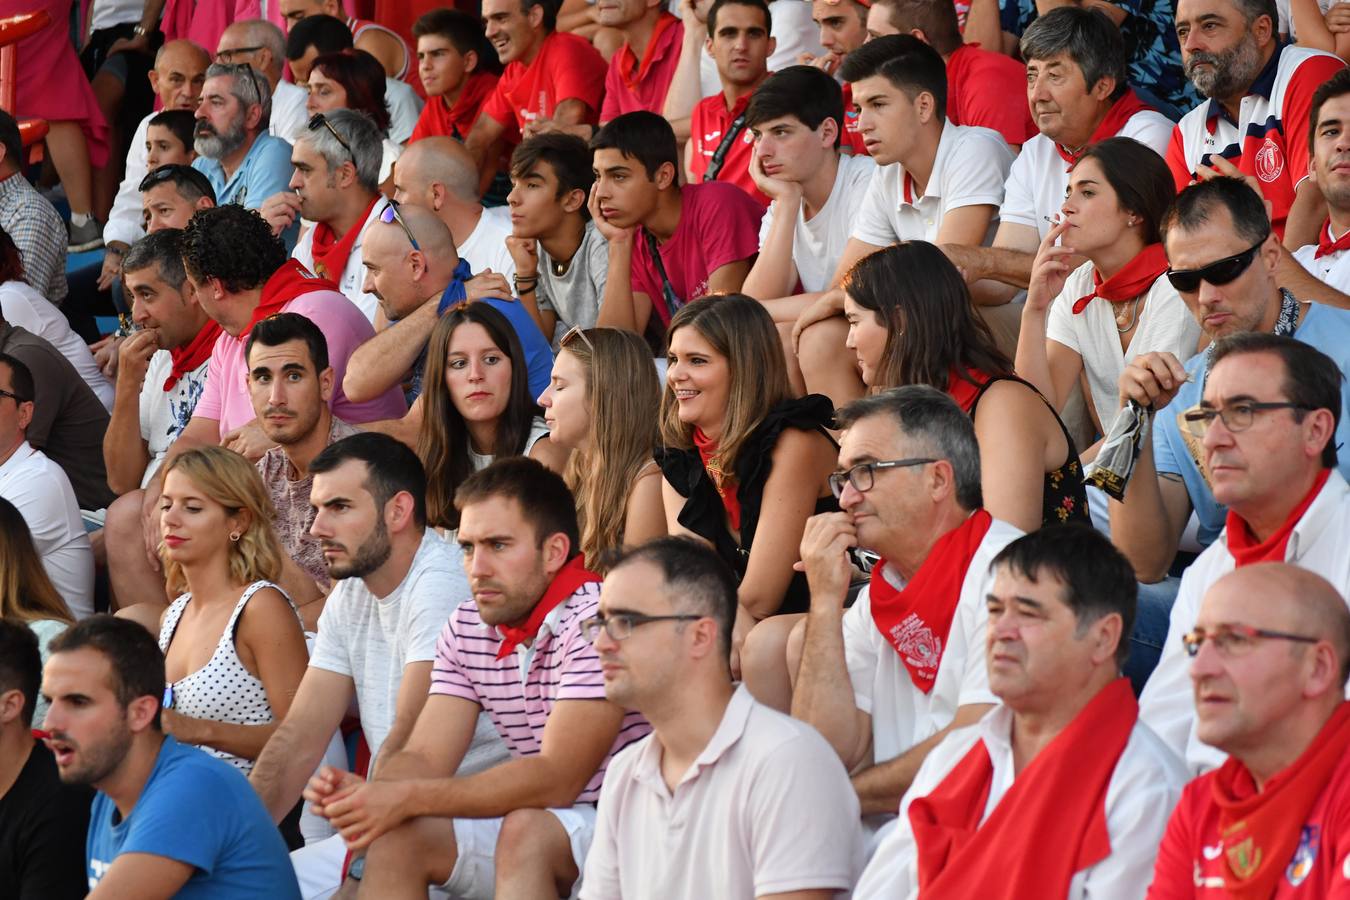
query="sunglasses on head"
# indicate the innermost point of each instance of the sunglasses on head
(1216, 273)
(320, 119)
(160, 175)
(391, 216)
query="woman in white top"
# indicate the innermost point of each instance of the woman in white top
(353, 79)
(602, 403)
(476, 406)
(1097, 317)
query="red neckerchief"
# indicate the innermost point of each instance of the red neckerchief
(724, 481)
(1120, 112)
(1326, 245)
(633, 70)
(962, 391)
(1049, 825)
(290, 281)
(469, 103)
(1260, 829)
(915, 620)
(1134, 278)
(196, 352)
(1242, 543)
(567, 582)
(331, 252)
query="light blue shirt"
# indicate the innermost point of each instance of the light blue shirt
(265, 171)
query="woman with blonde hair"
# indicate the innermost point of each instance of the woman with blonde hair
(602, 404)
(234, 648)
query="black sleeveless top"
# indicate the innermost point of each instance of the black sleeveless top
(703, 513)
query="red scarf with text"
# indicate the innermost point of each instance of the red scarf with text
(1244, 547)
(1120, 112)
(290, 281)
(1049, 825)
(1261, 829)
(1325, 244)
(962, 391)
(331, 252)
(193, 354)
(916, 618)
(724, 481)
(567, 582)
(1133, 280)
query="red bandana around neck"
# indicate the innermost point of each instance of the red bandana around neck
(567, 582)
(1133, 280)
(724, 481)
(1327, 245)
(1120, 112)
(915, 620)
(1050, 824)
(1260, 829)
(1247, 550)
(193, 354)
(962, 391)
(331, 252)
(290, 281)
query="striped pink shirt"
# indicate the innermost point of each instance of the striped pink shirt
(521, 689)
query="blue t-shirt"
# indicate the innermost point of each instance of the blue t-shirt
(201, 811)
(538, 352)
(1323, 327)
(266, 170)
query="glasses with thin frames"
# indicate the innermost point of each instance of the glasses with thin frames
(1216, 273)
(863, 475)
(13, 396)
(619, 626)
(391, 216)
(573, 333)
(227, 56)
(1237, 640)
(320, 119)
(1236, 416)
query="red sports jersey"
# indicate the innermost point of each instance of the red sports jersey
(850, 138)
(566, 68)
(710, 122)
(989, 90)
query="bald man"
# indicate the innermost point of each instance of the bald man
(262, 45)
(1270, 654)
(438, 174)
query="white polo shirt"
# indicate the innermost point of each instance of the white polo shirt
(970, 168)
(1139, 798)
(1318, 544)
(1040, 176)
(818, 243)
(767, 808)
(902, 715)
(353, 274)
(42, 493)
(1334, 268)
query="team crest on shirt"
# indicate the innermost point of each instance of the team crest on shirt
(1302, 863)
(917, 643)
(1244, 859)
(1269, 161)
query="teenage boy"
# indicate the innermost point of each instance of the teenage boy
(667, 244)
(458, 69)
(560, 257)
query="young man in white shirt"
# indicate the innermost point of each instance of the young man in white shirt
(1322, 272)
(726, 798)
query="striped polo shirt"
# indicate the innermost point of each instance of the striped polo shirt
(520, 690)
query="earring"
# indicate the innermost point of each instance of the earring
(235, 536)
(1132, 221)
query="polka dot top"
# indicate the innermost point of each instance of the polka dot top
(222, 690)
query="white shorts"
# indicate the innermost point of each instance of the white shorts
(475, 873)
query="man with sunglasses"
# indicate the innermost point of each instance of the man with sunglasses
(1269, 655)
(726, 798)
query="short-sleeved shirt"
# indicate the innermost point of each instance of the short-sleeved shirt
(818, 243)
(989, 90)
(266, 170)
(969, 170)
(41, 492)
(632, 84)
(1333, 268)
(719, 224)
(351, 280)
(372, 639)
(201, 811)
(710, 123)
(767, 808)
(1270, 138)
(42, 828)
(575, 295)
(437, 118)
(520, 690)
(164, 414)
(485, 247)
(567, 67)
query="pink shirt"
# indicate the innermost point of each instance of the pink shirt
(225, 397)
(520, 690)
(627, 90)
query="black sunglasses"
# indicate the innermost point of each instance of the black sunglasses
(1216, 273)
(162, 174)
(321, 119)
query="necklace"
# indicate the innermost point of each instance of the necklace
(1125, 323)
(560, 267)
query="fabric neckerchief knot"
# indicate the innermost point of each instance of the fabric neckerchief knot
(455, 293)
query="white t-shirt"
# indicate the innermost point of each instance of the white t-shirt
(289, 116)
(353, 274)
(767, 808)
(404, 108)
(23, 306)
(538, 431)
(575, 296)
(1165, 324)
(817, 244)
(1144, 787)
(1039, 175)
(42, 493)
(969, 170)
(1334, 268)
(485, 247)
(126, 223)
(165, 413)
(902, 715)
(110, 13)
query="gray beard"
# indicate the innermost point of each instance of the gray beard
(1231, 71)
(219, 146)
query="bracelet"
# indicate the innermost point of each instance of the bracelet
(526, 278)
(140, 31)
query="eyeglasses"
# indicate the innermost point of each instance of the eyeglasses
(391, 216)
(862, 476)
(1216, 273)
(1236, 416)
(1237, 640)
(321, 119)
(620, 625)
(227, 56)
(576, 331)
(13, 396)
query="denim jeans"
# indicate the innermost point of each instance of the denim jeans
(1152, 615)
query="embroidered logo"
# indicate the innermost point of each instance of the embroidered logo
(916, 642)
(1212, 852)
(1302, 863)
(1244, 859)
(1269, 161)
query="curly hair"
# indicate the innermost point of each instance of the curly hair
(233, 244)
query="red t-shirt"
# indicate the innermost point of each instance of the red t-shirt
(1191, 861)
(710, 121)
(719, 224)
(566, 68)
(989, 90)
(455, 121)
(850, 137)
(628, 91)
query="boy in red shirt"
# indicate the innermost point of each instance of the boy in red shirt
(458, 69)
